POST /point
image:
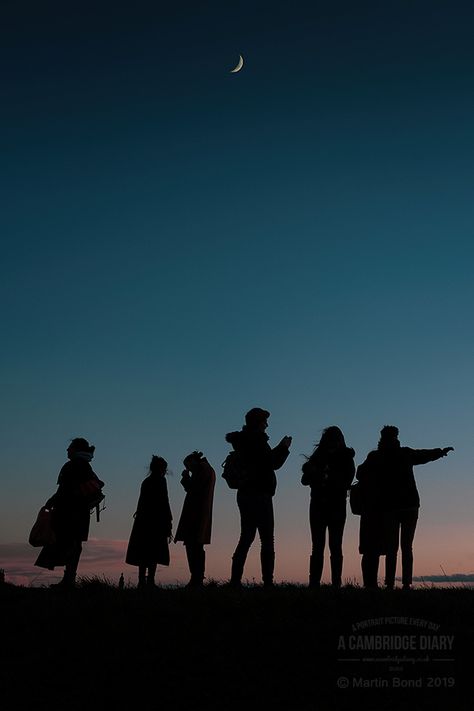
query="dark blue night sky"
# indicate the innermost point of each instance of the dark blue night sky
(180, 243)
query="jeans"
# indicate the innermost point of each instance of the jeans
(405, 526)
(256, 514)
(331, 517)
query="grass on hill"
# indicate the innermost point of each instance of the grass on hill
(287, 648)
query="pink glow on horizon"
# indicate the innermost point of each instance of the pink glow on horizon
(106, 559)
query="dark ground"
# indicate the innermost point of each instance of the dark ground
(101, 647)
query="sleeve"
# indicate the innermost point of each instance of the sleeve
(349, 468)
(280, 454)
(309, 471)
(167, 515)
(363, 471)
(423, 456)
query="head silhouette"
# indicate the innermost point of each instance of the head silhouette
(158, 466)
(80, 445)
(332, 438)
(256, 418)
(193, 460)
(389, 437)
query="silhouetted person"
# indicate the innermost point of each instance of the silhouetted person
(70, 512)
(195, 523)
(254, 496)
(151, 530)
(329, 472)
(391, 504)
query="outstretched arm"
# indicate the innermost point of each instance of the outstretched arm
(423, 456)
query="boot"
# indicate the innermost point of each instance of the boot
(267, 561)
(316, 563)
(336, 570)
(236, 572)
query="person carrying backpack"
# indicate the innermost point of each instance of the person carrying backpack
(256, 491)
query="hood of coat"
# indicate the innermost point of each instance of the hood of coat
(243, 437)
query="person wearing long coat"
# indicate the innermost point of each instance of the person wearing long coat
(148, 545)
(195, 523)
(329, 472)
(255, 494)
(390, 506)
(70, 512)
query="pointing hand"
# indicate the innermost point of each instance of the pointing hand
(445, 450)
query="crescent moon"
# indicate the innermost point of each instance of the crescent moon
(239, 66)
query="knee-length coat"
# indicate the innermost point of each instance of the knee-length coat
(195, 523)
(70, 516)
(388, 484)
(151, 528)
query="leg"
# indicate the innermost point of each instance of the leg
(370, 567)
(248, 529)
(393, 537)
(141, 576)
(70, 569)
(266, 526)
(318, 523)
(150, 581)
(409, 520)
(196, 560)
(336, 529)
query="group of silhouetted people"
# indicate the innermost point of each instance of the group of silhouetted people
(386, 486)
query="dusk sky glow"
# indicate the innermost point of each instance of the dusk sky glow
(180, 244)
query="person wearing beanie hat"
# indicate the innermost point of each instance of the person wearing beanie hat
(255, 494)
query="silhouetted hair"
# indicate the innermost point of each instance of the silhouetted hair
(79, 444)
(193, 458)
(329, 436)
(388, 437)
(158, 465)
(255, 416)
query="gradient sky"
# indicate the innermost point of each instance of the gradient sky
(180, 244)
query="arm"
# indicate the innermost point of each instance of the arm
(349, 468)
(423, 456)
(309, 470)
(280, 452)
(186, 481)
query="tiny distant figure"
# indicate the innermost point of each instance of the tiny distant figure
(151, 531)
(195, 523)
(390, 506)
(329, 472)
(121, 582)
(70, 512)
(255, 493)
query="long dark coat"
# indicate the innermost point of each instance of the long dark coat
(70, 513)
(388, 484)
(195, 523)
(148, 544)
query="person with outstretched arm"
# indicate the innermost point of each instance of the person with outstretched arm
(391, 504)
